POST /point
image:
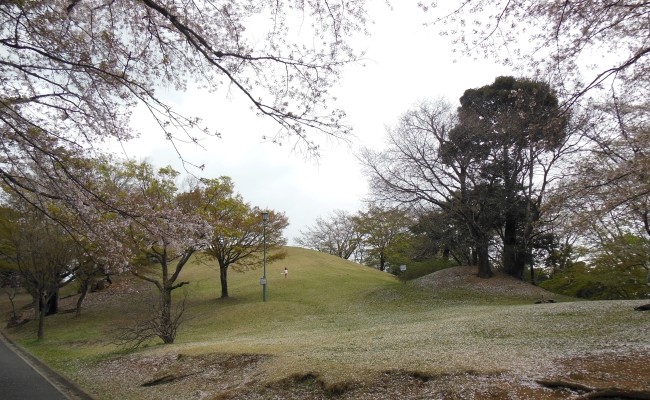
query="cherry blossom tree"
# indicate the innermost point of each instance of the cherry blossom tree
(161, 233)
(586, 44)
(72, 72)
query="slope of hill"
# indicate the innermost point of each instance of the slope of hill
(333, 327)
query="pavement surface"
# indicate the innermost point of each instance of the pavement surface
(22, 376)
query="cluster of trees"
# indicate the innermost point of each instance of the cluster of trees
(597, 57)
(143, 224)
(470, 177)
(482, 170)
(511, 179)
(71, 73)
(528, 180)
(386, 238)
(369, 236)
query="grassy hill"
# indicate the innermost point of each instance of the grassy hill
(334, 327)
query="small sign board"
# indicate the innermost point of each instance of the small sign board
(402, 268)
(262, 281)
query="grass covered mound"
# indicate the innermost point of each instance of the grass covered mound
(335, 328)
(466, 279)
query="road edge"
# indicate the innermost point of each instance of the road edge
(63, 385)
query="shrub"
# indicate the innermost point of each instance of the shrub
(600, 283)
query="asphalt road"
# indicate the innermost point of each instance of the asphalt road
(19, 380)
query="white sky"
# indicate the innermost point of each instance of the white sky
(405, 62)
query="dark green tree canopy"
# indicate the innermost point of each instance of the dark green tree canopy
(516, 112)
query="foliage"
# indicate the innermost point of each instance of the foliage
(437, 234)
(625, 251)
(618, 269)
(597, 55)
(608, 194)
(239, 236)
(515, 127)
(380, 228)
(72, 72)
(600, 282)
(560, 255)
(42, 256)
(419, 167)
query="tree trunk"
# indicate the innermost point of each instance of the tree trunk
(42, 305)
(166, 324)
(223, 275)
(52, 304)
(513, 264)
(482, 250)
(41, 325)
(12, 294)
(82, 296)
(532, 274)
(382, 262)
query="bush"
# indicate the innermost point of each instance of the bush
(600, 283)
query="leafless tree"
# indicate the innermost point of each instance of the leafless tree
(336, 234)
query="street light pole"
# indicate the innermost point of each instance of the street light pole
(265, 217)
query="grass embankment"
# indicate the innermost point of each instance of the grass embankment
(330, 319)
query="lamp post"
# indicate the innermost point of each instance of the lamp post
(265, 217)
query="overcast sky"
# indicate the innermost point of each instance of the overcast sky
(405, 62)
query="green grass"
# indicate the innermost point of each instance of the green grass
(343, 321)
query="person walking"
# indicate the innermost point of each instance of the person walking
(286, 272)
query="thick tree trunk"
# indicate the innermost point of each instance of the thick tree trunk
(513, 260)
(52, 305)
(223, 275)
(482, 250)
(532, 274)
(382, 262)
(41, 325)
(167, 329)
